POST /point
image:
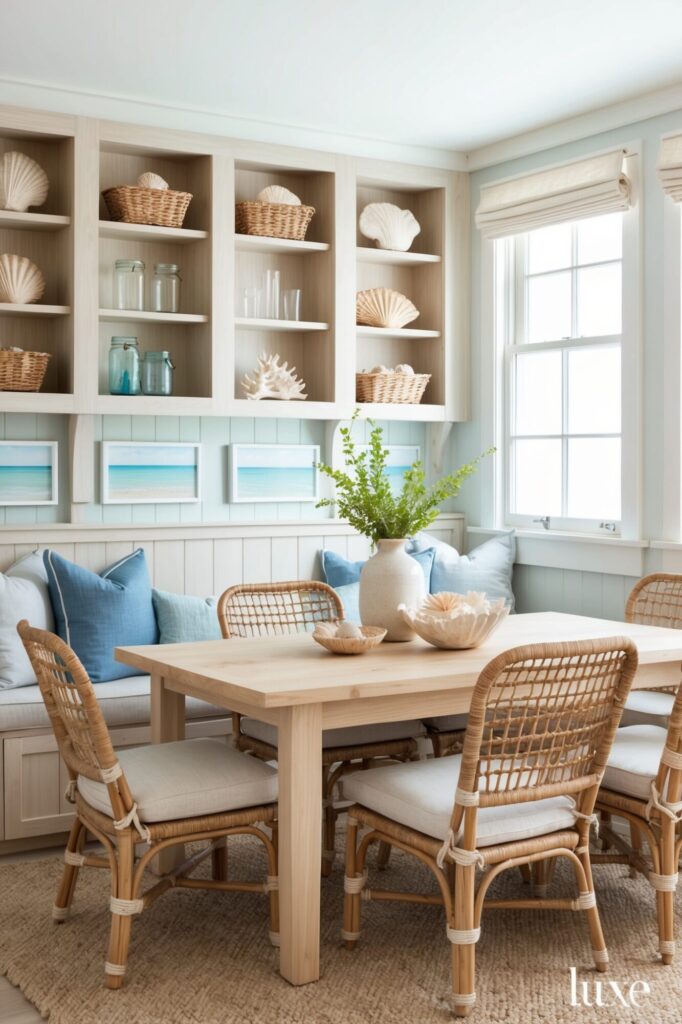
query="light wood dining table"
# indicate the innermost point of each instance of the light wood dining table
(297, 686)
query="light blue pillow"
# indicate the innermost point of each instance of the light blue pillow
(338, 571)
(350, 595)
(23, 595)
(96, 613)
(487, 568)
(182, 619)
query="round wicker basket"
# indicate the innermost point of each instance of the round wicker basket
(371, 637)
(134, 205)
(22, 371)
(398, 388)
(272, 220)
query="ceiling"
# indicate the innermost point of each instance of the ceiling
(451, 74)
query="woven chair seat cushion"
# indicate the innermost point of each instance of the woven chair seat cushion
(188, 779)
(648, 707)
(634, 760)
(447, 723)
(421, 795)
(351, 736)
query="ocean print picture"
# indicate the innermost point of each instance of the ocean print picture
(150, 473)
(400, 459)
(274, 472)
(28, 473)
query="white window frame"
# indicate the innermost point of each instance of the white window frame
(497, 316)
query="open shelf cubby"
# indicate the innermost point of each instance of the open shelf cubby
(189, 346)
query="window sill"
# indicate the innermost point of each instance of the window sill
(582, 552)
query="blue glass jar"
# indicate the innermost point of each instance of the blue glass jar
(124, 366)
(157, 373)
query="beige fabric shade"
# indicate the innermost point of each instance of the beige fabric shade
(670, 166)
(582, 188)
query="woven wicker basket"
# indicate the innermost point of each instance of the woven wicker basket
(391, 387)
(273, 220)
(134, 205)
(22, 371)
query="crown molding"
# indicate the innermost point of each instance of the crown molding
(113, 107)
(616, 115)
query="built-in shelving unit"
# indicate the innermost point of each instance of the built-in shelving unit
(212, 341)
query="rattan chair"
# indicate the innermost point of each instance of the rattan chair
(643, 784)
(162, 796)
(655, 600)
(541, 724)
(271, 609)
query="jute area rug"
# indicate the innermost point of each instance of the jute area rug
(200, 958)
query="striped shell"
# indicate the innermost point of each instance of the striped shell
(23, 183)
(278, 194)
(389, 226)
(384, 307)
(151, 180)
(20, 280)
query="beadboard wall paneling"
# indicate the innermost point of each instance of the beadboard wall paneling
(540, 589)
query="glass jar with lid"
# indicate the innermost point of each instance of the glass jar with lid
(166, 288)
(157, 373)
(129, 284)
(124, 366)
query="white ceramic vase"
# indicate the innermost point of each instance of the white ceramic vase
(389, 578)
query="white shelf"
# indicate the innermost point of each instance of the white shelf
(148, 232)
(285, 410)
(257, 243)
(392, 257)
(32, 309)
(33, 221)
(395, 332)
(153, 405)
(133, 316)
(257, 324)
(397, 411)
(37, 401)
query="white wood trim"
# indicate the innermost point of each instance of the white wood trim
(613, 556)
(672, 371)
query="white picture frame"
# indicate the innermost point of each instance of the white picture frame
(257, 473)
(29, 473)
(129, 469)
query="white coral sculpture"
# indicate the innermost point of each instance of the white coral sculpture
(272, 379)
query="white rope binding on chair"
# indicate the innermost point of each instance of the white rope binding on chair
(585, 901)
(274, 938)
(666, 947)
(109, 775)
(349, 936)
(131, 818)
(76, 860)
(463, 937)
(672, 810)
(593, 819)
(671, 758)
(467, 799)
(60, 913)
(355, 885)
(458, 999)
(451, 851)
(271, 883)
(663, 883)
(118, 970)
(70, 791)
(125, 908)
(601, 956)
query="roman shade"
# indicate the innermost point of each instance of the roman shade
(670, 166)
(582, 188)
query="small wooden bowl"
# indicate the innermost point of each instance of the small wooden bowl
(371, 637)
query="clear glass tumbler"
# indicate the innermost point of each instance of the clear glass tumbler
(271, 290)
(291, 303)
(251, 303)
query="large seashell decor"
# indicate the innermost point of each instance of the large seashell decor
(384, 307)
(21, 281)
(151, 180)
(278, 194)
(389, 226)
(23, 183)
(455, 621)
(272, 379)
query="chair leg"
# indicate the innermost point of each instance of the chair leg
(583, 873)
(273, 861)
(67, 886)
(604, 843)
(121, 924)
(540, 878)
(463, 953)
(383, 855)
(665, 899)
(329, 824)
(351, 902)
(525, 873)
(219, 860)
(636, 844)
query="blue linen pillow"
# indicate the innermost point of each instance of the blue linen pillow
(96, 613)
(350, 595)
(487, 568)
(338, 571)
(183, 619)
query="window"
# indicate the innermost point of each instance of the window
(559, 310)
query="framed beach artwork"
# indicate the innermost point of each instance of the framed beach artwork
(28, 473)
(148, 473)
(400, 459)
(274, 472)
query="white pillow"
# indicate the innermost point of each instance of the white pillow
(23, 595)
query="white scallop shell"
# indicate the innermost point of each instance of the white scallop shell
(151, 180)
(389, 226)
(23, 183)
(278, 194)
(405, 369)
(462, 624)
(384, 307)
(273, 380)
(20, 280)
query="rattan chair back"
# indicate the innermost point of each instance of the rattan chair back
(274, 609)
(656, 600)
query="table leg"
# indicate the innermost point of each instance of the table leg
(300, 847)
(167, 725)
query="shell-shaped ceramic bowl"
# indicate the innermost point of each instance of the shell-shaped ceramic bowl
(455, 632)
(371, 637)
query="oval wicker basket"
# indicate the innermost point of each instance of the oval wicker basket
(134, 205)
(371, 637)
(399, 388)
(272, 220)
(22, 371)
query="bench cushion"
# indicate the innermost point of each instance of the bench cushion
(634, 760)
(123, 702)
(648, 707)
(349, 736)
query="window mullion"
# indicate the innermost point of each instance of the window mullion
(564, 433)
